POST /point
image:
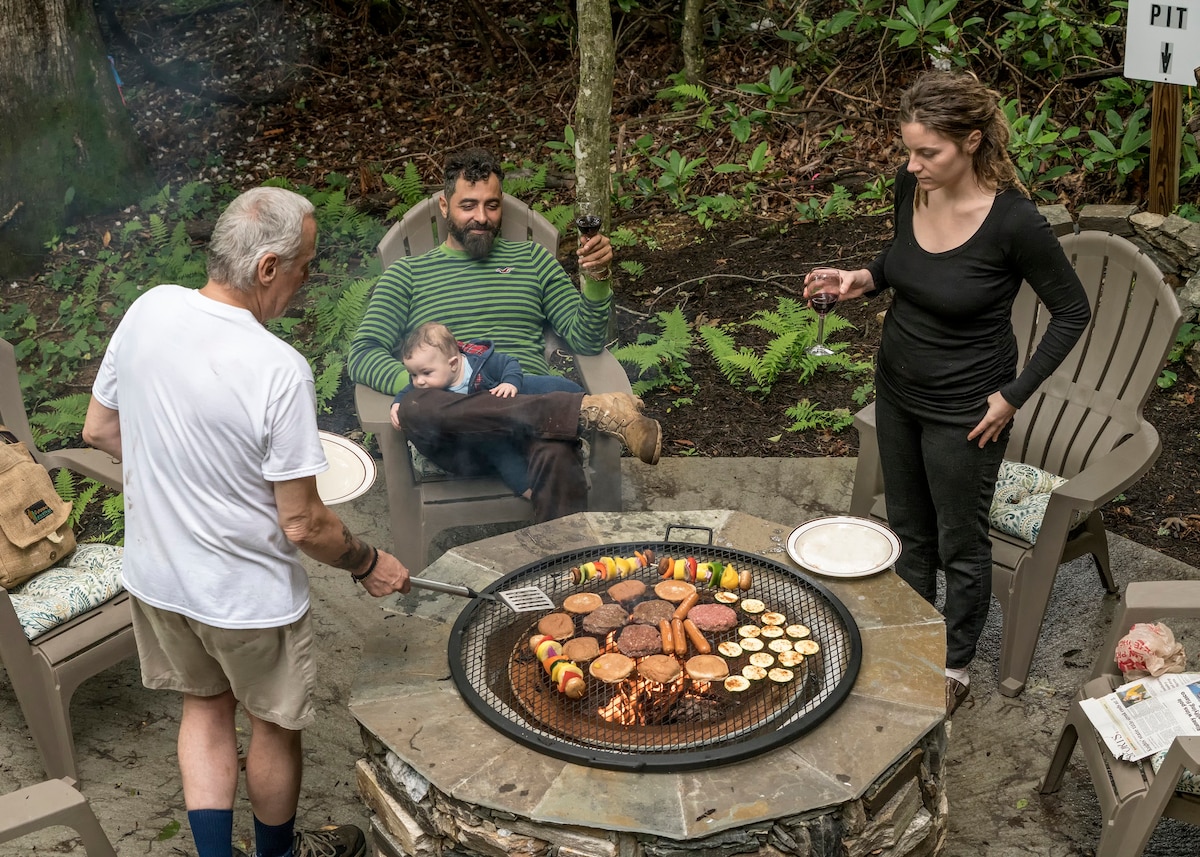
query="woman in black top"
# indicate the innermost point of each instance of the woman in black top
(966, 236)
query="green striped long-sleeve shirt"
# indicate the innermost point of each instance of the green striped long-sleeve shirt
(508, 297)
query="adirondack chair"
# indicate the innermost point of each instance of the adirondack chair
(46, 670)
(48, 804)
(1133, 797)
(1084, 424)
(422, 503)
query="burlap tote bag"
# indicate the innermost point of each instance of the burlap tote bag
(33, 519)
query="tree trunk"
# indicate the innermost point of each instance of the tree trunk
(68, 149)
(693, 40)
(592, 108)
(597, 60)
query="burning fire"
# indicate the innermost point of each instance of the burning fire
(640, 701)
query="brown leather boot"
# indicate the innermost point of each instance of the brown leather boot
(620, 415)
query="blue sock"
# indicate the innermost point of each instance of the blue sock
(274, 840)
(212, 831)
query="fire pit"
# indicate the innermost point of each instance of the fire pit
(863, 774)
(637, 723)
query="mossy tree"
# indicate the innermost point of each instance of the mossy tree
(593, 130)
(593, 106)
(68, 149)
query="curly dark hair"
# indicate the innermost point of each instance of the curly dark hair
(474, 165)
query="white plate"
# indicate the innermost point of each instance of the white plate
(351, 470)
(843, 546)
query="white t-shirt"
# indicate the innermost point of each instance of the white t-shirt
(213, 409)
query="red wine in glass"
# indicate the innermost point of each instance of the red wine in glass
(827, 284)
(588, 225)
(823, 302)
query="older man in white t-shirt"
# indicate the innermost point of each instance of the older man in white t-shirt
(214, 419)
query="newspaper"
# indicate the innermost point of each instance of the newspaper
(1142, 717)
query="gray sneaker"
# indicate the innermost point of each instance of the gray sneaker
(344, 840)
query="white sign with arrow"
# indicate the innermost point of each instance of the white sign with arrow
(1162, 41)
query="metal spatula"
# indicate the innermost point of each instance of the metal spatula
(527, 600)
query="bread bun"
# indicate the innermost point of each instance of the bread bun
(663, 669)
(627, 590)
(582, 602)
(612, 667)
(674, 590)
(707, 668)
(581, 649)
(560, 626)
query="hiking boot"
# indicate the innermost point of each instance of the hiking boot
(620, 415)
(343, 840)
(956, 695)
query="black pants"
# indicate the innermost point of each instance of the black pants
(462, 434)
(938, 486)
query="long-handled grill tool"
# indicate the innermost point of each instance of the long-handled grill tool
(529, 599)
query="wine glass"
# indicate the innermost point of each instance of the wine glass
(588, 225)
(827, 284)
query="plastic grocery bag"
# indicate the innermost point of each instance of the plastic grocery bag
(1149, 649)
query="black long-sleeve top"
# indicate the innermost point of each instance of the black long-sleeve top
(947, 340)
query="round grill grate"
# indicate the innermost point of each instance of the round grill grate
(641, 725)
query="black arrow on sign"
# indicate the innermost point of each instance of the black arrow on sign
(1166, 57)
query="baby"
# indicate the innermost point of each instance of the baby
(436, 360)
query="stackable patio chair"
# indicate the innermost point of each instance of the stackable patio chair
(68, 623)
(53, 802)
(1133, 795)
(424, 500)
(1081, 436)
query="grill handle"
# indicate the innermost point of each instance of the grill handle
(709, 530)
(450, 588)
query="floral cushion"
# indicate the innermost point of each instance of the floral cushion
(1019, 503)
(85, 579)
(1189, 782)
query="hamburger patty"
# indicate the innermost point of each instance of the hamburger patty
(637, 641)
(713, 618)
(653, 612)
(605, 618)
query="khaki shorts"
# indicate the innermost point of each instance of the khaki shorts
(271, 671)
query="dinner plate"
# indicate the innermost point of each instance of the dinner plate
(843, 546)
(351, 470)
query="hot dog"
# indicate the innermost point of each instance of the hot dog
(668, 639)
(686, 604)
(679, 636)
(700, 644)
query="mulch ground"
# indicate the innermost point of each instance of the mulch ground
(239, 92)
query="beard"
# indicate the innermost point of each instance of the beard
(477, 244)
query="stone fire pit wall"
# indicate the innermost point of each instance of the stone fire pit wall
(440, 781)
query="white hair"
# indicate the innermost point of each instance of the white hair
(260, 221)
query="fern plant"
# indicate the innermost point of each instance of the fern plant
(793, 327)
(59, 419)
(82, 494)
(660, 359)
(807, 416)
(408, 187)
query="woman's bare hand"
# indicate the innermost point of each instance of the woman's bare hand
(999, 414)
(854, 283)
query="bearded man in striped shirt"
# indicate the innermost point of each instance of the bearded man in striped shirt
(482, 286)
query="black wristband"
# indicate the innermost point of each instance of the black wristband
(359, 578)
